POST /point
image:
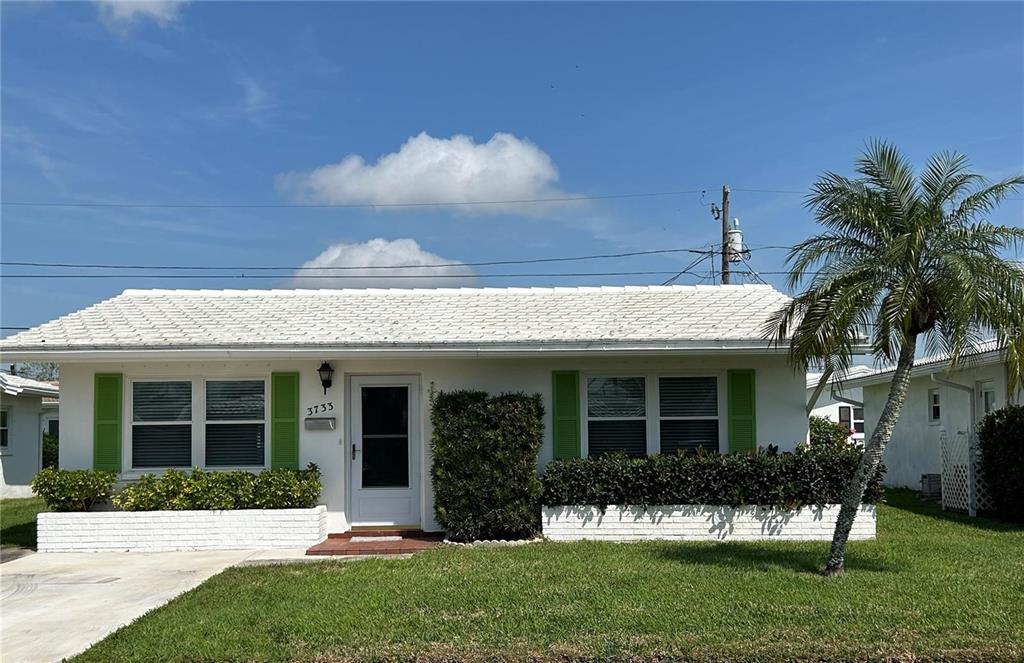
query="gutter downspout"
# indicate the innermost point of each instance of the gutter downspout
(972, 443)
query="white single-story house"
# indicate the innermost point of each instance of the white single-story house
(839, 402)
(21, 416)
(939, 401)
(154, 379)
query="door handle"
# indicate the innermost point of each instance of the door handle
(353, 451)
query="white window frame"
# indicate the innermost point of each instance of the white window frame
(932, 404)
(988, 394)
(719, 404)
(129, 419)
(10, 415)
(653, 402)
(584, 393)
(198, 421)
(265, 421)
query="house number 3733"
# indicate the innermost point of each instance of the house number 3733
(319, 409)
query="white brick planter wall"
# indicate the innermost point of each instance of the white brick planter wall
(157, 531)
(701, 522)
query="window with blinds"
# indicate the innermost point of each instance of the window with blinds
(688, 414)
(161, 424)
(235, 423)
(616, 416)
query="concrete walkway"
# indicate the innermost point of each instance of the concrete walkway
(55, 605)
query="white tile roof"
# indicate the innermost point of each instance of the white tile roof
(985, 352)
(14, 385)
(855, 371)
(537, 318)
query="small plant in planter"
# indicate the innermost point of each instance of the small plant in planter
(74, 490)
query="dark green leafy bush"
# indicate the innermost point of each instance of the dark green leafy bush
(810, 475)
(484, 466)
(828, 433)
(200, 490)
(73, 490)
(51, 450)
(1001, 442)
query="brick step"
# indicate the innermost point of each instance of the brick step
(389, 532)
(404, 546)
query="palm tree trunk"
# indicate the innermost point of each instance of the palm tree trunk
(873, 449)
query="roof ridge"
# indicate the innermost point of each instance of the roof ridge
(227, 292)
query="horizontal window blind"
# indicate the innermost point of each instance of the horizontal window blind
(610, 436)
(688, 435)
(161, 401)
(235, 400)
(166, 445)
(234, 444)
(688, 396)
(616, 397)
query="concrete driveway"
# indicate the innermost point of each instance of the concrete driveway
(55, 605)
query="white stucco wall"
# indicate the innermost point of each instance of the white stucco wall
(915, 446)
(20, 460)
(781, 413)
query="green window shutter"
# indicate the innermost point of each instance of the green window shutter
(742, 411)
(566, 414)
(106, 422)
(284, 420)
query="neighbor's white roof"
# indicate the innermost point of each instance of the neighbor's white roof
(986, 352)
(482, 319)
(16, 385)
(854, 372)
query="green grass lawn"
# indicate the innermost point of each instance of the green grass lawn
(18, 522)
(933, 586)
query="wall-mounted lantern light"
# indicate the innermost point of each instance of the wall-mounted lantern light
(325, 371)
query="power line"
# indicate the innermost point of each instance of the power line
(452, 203)
(486, 263)
(336, 276)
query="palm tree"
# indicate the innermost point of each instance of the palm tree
(905, 259)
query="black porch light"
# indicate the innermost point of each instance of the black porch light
(325, 372)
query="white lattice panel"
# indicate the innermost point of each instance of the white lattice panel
(956, 488)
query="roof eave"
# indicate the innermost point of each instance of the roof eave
(84, 354)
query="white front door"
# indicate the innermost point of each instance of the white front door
(385, 450)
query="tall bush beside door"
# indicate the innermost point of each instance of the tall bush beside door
(484, 467)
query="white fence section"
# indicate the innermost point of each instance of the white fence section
(963, 486)
(701, 522)
(160, 531)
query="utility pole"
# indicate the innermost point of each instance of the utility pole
(725, 234)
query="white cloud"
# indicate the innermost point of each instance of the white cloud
(428, 169)
(122, 15)
(382, 253)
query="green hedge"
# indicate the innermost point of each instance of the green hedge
(484, 468)
(200, 489)
(811, 475)
(827, 432)
(73, 490)
(1001, 442)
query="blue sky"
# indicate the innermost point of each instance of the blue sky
(280, 103)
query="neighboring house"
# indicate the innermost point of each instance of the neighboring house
(21, 412)
(50, 419)
(153, 379)
(840, 403)
(939, 400)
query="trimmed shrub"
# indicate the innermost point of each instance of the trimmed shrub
(51, 450)
(202, 490)
(825, 432)
(484, 467)
(1001, 442)
(810, 475)
(73, 490)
